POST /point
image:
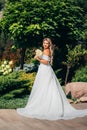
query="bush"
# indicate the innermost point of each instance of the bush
(6, 67)
(10, 53)
(30, 77)
(29, 54)
(80, 75)
(16, 84)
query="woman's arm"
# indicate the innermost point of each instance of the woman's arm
(45, 52)
(41, 60)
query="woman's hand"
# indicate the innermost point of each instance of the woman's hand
(37, 58)
(41, 60)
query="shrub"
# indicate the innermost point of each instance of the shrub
(16, 84)
(30, 53)
(30, 77)
(80, 75)
(10, 52)
(6, 67)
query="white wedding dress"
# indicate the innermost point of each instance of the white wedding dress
(47, 99)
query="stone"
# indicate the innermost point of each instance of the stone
(83, 99)
(76, 89)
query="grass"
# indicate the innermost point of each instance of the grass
(13, 103)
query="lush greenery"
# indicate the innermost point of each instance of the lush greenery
(13, 103)
(15, 89)
(25, 22)
(80, 75)
(16, 84)
(23, 26)
(73, 57)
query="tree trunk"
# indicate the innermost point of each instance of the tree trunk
(23, 50)
(67, 74)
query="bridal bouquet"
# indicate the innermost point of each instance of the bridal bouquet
(38, 52)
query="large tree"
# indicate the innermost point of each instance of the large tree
(28, 21)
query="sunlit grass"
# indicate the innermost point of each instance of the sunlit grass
(13, 103)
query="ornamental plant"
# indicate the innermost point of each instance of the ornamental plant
(6, 67)
(73, 56)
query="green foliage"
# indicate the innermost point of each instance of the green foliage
(13, 103)
(13, 87)
(74, 55)
(27, 24)
(30, 77)
(16, 84)
(30, 53)
(80, 75)
(34, 61)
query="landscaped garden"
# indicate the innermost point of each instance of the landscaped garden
(23, 25)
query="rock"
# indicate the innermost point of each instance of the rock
(83, 99)
(76, 89)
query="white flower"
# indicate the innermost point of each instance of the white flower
(10, 70)
(5, 62)
(2, 70)
(2, 65)
(5, 69)
(38, 52)
(11, 62)
(7, 66)
(4, 73)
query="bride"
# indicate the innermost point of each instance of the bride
(47, 99)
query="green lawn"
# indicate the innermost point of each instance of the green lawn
(13, 103)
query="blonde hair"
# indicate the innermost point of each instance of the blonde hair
(51, 48)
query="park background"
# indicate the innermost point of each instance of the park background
(23, 25)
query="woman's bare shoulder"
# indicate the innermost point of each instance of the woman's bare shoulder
(47, 52)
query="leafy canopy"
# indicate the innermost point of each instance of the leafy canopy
(28, 21)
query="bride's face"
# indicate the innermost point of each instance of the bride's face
(46, 44)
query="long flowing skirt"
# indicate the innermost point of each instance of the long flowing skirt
(47, 99)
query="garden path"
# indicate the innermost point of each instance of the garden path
(10, 120)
